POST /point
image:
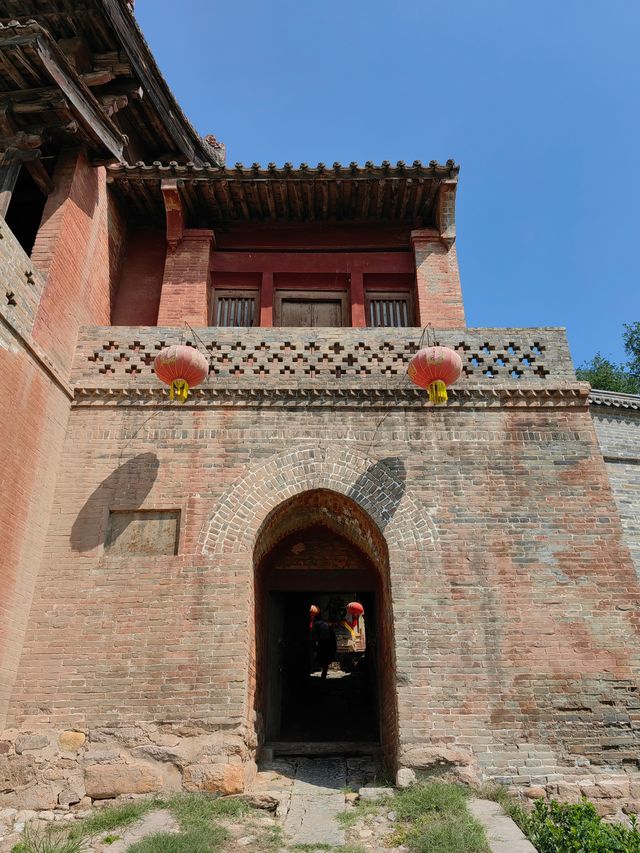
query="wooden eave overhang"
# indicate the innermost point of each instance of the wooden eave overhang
(42, 97)
(121, 71)
(214, 195)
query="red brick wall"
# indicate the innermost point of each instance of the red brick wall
(518, 597)
(33, 413)
(67, 281)
(438, 282)
(72, 250)
(185, 288)
(138, 294)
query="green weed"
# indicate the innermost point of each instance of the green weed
(49, 840)
(200, 840)
(113, 817)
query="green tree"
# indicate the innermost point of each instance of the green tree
(606, 375)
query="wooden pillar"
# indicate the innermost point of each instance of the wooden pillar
(356, 290)
(266, 299)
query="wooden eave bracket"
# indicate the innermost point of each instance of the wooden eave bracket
(446, 212)
(67, 95)
(175, 212)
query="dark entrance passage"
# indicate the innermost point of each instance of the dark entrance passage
(304, 706)
(321, 549)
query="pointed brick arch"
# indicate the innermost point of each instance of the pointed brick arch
(377, 486)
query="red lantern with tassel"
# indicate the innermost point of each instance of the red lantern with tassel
(181, 367)
(355, 611)
(434, 368)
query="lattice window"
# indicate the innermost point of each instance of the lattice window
(386, 310)
(235, 308)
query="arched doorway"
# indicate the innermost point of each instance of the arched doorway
(322, 548)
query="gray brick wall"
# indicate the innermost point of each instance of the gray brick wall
(618, 432)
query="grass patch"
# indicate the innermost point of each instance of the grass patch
(49, 840)
(436, 819)
(312, 848)
(193, 809)
(113, 817)
(432, 818)
(199, 840)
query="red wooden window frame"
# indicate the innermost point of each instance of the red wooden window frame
(234, 294)
(392, 313)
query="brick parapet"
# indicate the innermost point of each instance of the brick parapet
(283, 358)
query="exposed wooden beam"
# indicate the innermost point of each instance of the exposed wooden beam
(40, 176)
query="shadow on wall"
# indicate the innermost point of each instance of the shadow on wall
(131, 482)
(382, 486)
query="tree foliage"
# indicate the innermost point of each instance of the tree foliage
(606, 375)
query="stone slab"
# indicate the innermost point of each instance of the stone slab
(503, 834)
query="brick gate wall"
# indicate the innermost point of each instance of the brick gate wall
(514, 596)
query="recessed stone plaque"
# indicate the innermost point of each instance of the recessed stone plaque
(143, 532)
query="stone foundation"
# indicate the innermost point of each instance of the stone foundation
(60, 770)
(49, 769)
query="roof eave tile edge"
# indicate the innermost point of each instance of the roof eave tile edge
(201, 151)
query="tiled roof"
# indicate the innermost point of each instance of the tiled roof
(615, 400)
(417, 169)
(402, 194)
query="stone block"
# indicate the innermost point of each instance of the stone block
(217, 778)
(31, 742)
(103, 781)
(405, 777)
(71, 741)
(375, 793)
(69, 797)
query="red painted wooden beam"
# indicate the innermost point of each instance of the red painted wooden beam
(314, 262)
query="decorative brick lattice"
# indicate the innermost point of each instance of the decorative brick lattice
(308, 357)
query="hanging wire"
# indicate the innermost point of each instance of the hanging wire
(428, 333)
(154, 414)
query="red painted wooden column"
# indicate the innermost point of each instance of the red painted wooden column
(266, 299)
(358, 312)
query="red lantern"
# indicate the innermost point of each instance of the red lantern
(355, 611)
(434, 368)
(181, 367)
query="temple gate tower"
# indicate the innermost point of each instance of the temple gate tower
(158, 560)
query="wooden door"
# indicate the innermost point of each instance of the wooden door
(310, 310)
(327, 313)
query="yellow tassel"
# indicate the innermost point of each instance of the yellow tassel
(179, 388)
(438, 393)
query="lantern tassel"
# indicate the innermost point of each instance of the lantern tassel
(437, 393)
(179, 388)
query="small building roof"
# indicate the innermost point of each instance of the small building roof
(613, 399)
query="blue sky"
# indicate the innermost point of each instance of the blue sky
(538, 102)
